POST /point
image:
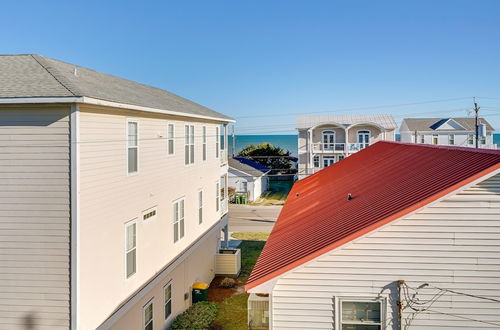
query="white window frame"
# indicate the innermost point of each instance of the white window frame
(178, 219)
(147, 212)
(130, 120)
(382, 301)
(422, 138)
(217, 141)
(451, 139)
(165, 302)
(188, 144)
(170, 138)
(204, 144)
(470, 138)
(200, 206)
(316, 161)
(217, 195)
(364, 132)
(328, 133)
(127, 250)
(144, 324)
(435, 136)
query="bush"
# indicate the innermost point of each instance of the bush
(227, 283)
(198, 316)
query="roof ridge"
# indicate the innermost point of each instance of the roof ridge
(446, 147)
(58, 76)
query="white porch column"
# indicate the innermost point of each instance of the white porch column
(346, 141)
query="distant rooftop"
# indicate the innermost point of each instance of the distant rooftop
(248, 166)
(385, 121)
(432, 124)
(36, 76)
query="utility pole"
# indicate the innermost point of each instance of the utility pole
(234, 141)
(476, 110)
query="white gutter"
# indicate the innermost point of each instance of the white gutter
(94, 101)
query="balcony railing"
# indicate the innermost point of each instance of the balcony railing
(223, 206)
(353, 147)
(329, 147)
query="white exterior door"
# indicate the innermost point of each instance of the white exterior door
(328, 140)
(363, 139)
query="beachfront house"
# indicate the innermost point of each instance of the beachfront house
(396, 236)
(248, 178)
(325, 140)
(447, 131)
(113, 196)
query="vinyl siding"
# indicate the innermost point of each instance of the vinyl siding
(109, 198)
(34, 218)
(453, 244)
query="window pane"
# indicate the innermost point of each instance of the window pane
(168, 309)
(132, 134)
(176, 232)
(181, 209)
(131, 237)
(368, 312)
(191, 135)
(170, 131)
(170, 147)
(131, 259)
(204, 152)
(149, 326)
(168, 292)
(181, 228)
(186, 154)
(204, 134)
(192, 153)
(148, 313)
(132, 160)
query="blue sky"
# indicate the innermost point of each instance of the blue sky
(250, 59)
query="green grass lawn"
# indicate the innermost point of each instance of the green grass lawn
(232, 313)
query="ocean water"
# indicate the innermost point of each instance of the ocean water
(287, 142)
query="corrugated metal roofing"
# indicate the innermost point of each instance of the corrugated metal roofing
(39, 76)
(386, 121)
(386, 180)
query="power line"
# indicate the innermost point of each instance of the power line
(361, 108)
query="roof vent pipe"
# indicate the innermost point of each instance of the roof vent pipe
(349, 196)
(75, 72)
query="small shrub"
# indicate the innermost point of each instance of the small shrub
(199, 316)
(227, 283)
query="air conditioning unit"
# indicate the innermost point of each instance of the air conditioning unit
(258, 311)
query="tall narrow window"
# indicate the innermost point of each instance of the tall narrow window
(130, 247)
(316, 161)
(170, 139)
(168, 300)
(217, 196)
(132, 146)
(148, 316)
(422, 138)
(204, 143)
(178, 220)
(200, 206)
(189, 144)
(451, 139)
(435, 138)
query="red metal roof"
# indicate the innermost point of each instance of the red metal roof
(387, 181)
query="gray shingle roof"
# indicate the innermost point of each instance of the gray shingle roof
(385, 121)
(39, 76)
(426, 124)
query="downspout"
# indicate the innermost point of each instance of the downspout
(74, 215)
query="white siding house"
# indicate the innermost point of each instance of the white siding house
(435, 267)
(112, 202)
(248, 178)
(447, 131)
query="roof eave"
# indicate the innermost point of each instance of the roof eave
(94, 101)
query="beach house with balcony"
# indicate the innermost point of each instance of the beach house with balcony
(112, 201)
(447, 131)
(325, 140)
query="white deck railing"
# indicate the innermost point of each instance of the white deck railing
(328, 147)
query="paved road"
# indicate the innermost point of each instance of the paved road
(252, 218)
